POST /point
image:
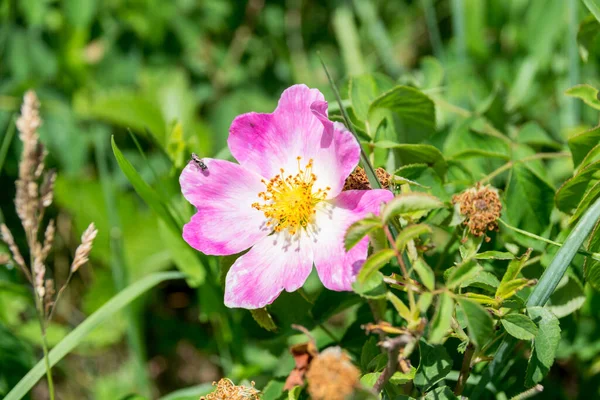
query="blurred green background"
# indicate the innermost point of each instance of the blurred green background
(176, 72)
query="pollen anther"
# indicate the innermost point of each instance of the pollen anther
(290, 201)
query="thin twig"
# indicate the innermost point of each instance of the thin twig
(465, 370)
(392, 346)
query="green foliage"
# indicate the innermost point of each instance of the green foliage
(489, 108)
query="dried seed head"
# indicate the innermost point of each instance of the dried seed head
(12, 246)
(39, 273)
(30, 120)
(481, 208)
(48, 239)
(49, 296)
(226, 390)
(47, 189)
(83, 250)
(332, 376)
(358, 179)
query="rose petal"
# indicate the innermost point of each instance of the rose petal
(337, 268)
(275, 263)
(225, 222)
(299, 127)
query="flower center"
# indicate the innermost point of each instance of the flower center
(289, 201)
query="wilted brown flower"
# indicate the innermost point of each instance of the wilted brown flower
(226, 390)
(332, 376)
(481, 208)
(358, 179)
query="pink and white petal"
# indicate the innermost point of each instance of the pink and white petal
(225, 222)
(264, 143)
(275, 263)
(337, 268)
(299, 127)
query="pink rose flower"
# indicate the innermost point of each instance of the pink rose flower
(284, 201)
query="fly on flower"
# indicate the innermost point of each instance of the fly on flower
(198, 162)
(283, 201)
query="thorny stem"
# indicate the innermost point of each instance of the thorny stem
(509, 164)
(393, 349)
(465, 370)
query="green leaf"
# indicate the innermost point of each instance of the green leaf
(264, 319)
(372, 288)
(6, 141)
(461, 273)
(425, 273)
(440, 326)
(374, 263)
(545, 287)
(369, 351)
(528, 200)
(587, 93)
(440, 393)
(363, 90)
(567, 298)
(409, 233)
(494, 255)
(544, 344)
(594, 7)
(358, 230)
(434, 365)
(479, 322)
(400, 306)
(400, 378)
(407, 204)
(294, 393)
(512, 273)
(581, 143)
(73, 339)
(329, 303)
(144, 190)
(414, 109)
(519, 326)
(591, 267)
(273, 390)
(483, 280)
(570, 193)
(407, 154)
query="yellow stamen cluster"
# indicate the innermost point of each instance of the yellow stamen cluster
(289, 201)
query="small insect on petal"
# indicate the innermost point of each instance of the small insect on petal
(198, 162)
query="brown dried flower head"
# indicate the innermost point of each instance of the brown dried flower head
(83, 250)
(358, 179)
(226, 390)
(332, 376)
(481, 208)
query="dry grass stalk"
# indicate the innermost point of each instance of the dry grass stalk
(34, 194)
(83, 250)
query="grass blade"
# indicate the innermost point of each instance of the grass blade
(148, 194)
(366, 163)
(73, 339)
(544, 289)
(6, 141)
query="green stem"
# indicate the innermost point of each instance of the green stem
(508, 165)
(432, 29)
(595, 256)
(48, 368)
